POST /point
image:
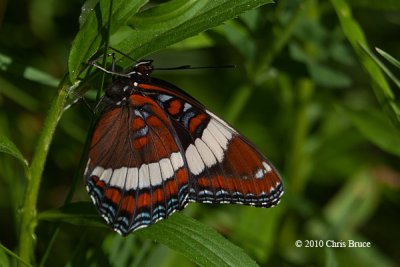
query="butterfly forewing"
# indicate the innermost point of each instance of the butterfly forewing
(136, 174)
(155, 148)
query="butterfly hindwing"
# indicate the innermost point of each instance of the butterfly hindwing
(224, 167)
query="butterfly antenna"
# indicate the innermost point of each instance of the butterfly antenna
(112, 71)
(188, 67)
(122, 53)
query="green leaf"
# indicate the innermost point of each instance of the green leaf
(8, 147)
(78, 213)
(240, 37)
(9, 65)
(17, 95)
(202, 40)
(200, 243)
(169, 23)
(94, 30)
(328, 77)
(374, 126)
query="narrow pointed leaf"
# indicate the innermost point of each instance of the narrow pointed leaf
(198, 242)
(8, 147)
(381, 65)
(389, 58)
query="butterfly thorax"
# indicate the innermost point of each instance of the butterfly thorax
(126, 84)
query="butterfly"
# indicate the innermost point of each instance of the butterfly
(155, 148)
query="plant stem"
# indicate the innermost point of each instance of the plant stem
(29, 212)
(82, 162)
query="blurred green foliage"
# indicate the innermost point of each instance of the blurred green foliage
(309, 90)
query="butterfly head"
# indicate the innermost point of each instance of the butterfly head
(143, 67)
(125, 83)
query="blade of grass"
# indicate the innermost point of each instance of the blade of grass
(355, 36)
(12, 254)
(388, 57)
(381, 65)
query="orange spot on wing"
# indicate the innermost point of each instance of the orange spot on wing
(224, 183)
(138, 123)
(113, 195)
(128, 204)
(172, 186)
(158, 195)
(98, 183)
(204, 182)
(140, 142)
(182, 176)
(174, 106)
(154, 121)
(196, 121)
(211, 183)
(237, 185)
(143, 200)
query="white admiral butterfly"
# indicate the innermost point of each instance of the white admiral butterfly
(155, 148)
